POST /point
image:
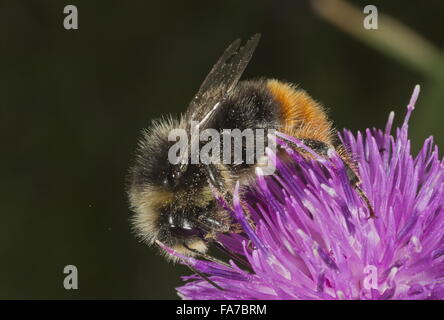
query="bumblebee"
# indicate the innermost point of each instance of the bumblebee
(174, 203)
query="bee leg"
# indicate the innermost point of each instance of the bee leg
(355, 182)
(211, 224)
(321, 148)
(213, 178)
(219, 189)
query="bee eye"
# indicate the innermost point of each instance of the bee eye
(186, 232)
(183, 229)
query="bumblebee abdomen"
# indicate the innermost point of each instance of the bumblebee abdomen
(272, 104)
(251, 105)
(301, 116)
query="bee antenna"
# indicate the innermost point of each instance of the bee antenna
(367, 201)
(202, 225)
(199, 273)
(203, 276)
(233, 256)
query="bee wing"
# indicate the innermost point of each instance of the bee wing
(222, 78)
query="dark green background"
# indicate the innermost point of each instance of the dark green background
(72, 104)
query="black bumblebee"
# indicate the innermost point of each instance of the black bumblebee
(174, 203)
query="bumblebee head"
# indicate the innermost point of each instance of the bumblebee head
(173, 203)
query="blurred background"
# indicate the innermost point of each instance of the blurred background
(73, 102)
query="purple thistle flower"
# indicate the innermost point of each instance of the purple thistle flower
(311, 236)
